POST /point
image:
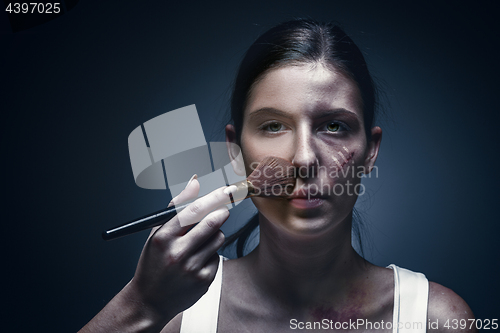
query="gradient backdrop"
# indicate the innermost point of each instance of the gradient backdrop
(75, 87)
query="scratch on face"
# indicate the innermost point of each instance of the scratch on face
(345, 159)
(337, 162)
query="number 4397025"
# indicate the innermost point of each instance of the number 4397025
(485, 324)
(33, 7)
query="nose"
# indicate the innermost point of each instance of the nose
(305, 158)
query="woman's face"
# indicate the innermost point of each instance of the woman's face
(313, 117)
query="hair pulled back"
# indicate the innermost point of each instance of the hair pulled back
(296, 42)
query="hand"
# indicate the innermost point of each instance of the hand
(177, 265)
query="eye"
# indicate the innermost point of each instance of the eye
(333, 127)
(273, 127)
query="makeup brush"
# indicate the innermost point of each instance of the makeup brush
(273, 177)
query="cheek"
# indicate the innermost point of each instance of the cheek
(344, 163)
(255, 149)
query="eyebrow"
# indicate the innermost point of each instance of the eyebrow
(267, 110)
(339, 111)
(318, 114)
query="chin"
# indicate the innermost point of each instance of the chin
(300, 221)
(307, 227)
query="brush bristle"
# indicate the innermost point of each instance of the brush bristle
(273, 177)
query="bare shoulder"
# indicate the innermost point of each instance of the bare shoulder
(449, 310)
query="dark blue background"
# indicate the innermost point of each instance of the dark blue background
(73, 89)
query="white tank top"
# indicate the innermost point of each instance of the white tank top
(411, 291)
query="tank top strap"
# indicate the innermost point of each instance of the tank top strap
(411, 293)
(203, 315)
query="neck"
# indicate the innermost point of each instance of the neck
(306, 269)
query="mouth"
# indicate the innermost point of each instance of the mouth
(306, 202)
(302, 198)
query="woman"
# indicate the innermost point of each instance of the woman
(303, 93)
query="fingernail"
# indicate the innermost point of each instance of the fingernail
(231, 189)
(195, 176)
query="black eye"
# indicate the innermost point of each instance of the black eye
(274, 127)
(333, 127)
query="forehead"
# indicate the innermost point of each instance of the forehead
(303, 89)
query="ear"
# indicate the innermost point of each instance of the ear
(373, 149)
(234, 151)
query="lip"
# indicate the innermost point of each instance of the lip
(305, 193)
(303, 198)
(306, 203)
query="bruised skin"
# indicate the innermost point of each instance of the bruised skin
(352, 310)
(254, 308)
(322, 312)
(368, 297)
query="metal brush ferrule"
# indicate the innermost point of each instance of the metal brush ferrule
(251, 188)
(245, 188)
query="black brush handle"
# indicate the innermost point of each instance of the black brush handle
(162, 216)
(146, 222)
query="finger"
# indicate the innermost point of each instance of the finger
(203, 206)
(207, 227)
(204, 252)
(208, 272)
(153, 230)
(190, 192)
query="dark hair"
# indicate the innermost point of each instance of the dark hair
(291, 43)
